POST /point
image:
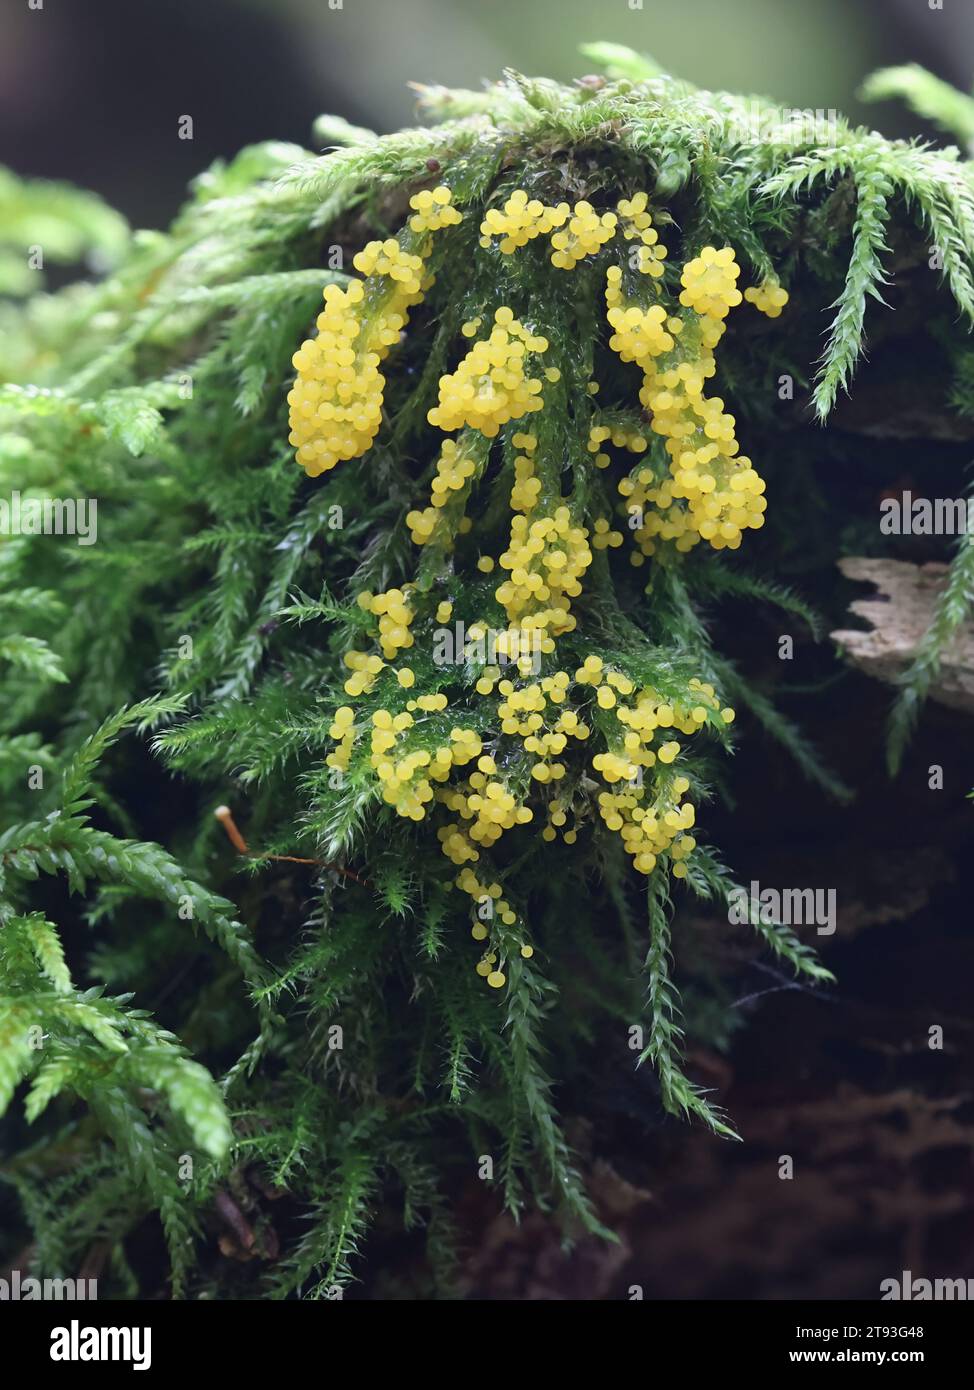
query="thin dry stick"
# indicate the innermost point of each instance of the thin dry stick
(225, 816)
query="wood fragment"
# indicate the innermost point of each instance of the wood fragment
(900, 613)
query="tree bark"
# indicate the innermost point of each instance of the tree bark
(900, 613)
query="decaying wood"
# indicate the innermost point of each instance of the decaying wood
(900, 613)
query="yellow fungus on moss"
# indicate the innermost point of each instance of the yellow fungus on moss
(336, 400)
(491, 385)
(768, 298)
(513, 760)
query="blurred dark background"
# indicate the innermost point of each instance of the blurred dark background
(92, 91)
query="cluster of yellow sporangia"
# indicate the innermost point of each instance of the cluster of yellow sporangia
(490, 386)
(456, 468)
(336, 400)
(574, 232)
(507, 763)
(492, 778)
(529, 721)
(637, 225)
(712, 492)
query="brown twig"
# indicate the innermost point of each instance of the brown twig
(225, 816)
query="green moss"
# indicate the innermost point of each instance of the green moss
(210, 618)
